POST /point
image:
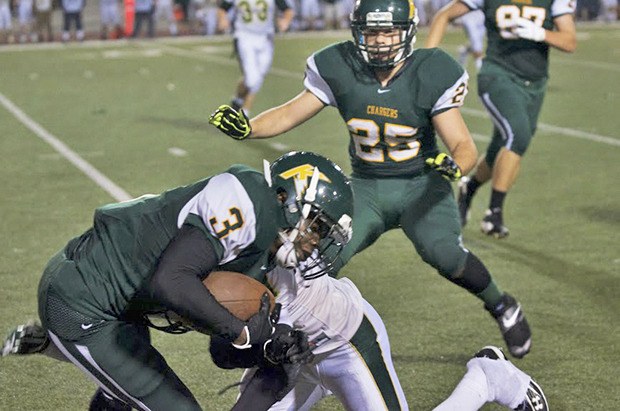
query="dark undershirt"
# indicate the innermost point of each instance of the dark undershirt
(177, 283)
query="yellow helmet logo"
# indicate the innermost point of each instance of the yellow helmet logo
(303, 173)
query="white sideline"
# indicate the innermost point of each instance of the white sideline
(91, 172)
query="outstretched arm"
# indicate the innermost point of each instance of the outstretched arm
(289, 115)
(440, 22)
(269, 123)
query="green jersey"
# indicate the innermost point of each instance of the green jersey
(390, 128)
(528, 59)
(236, 210)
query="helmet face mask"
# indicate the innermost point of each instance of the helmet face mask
(394, 19)
(317, 202)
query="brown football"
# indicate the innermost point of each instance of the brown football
(237, 292)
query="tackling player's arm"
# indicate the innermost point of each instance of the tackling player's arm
(440, 21)
(454, 133)
(287, 116)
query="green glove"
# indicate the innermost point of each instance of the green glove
(231, 122)
(445, 165)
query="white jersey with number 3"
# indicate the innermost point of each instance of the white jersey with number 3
(254, 17)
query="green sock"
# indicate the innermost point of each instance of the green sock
(490, 295)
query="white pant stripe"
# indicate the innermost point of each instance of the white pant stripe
(86, 354)
(500, 121)
(379, 326)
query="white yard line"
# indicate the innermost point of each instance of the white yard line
(91, 172)
(569, 132)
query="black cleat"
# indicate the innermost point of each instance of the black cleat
(513, 325)
(29, 338)
(492, 352)
(492, 224)
(463, 200)
(535, 399)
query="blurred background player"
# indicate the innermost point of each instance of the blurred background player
(72, 16)
(473, 25)
(110, 19)
(511, 84)
(253, 31)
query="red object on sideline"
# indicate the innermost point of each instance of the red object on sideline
(130, 11)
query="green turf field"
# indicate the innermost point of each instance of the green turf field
(87, 124)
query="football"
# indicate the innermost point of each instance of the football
(239, 293)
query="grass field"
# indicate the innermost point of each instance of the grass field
(88, 124)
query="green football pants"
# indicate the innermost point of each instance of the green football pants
(117, 355)
(513, 104)
(423, 207)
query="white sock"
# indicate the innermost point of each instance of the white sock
(507, 384)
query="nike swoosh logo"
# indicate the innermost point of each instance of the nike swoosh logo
(512, 320)
(381, 91)
(86, 326)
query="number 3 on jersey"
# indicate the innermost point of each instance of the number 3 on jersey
(224, 228)
(400, 141)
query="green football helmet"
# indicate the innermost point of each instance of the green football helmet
(316, 199)
(371, 15)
